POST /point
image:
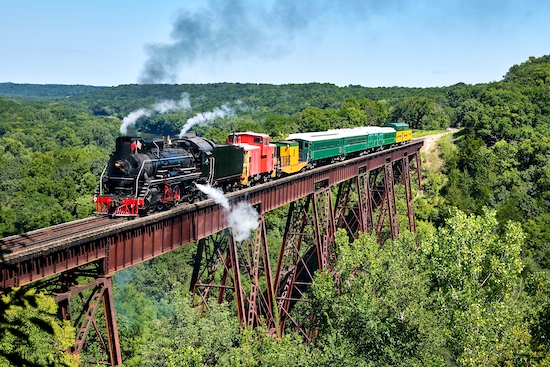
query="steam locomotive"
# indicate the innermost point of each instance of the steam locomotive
(148, 174)
(144, 175)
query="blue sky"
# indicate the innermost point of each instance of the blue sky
(373, 43)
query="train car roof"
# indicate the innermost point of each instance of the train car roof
(340, 133)
(347, 132)
(397, 125)
(377, 129)
(285, 142)
(315, 136)
(251, 134)
(371, 129)
(387, 129)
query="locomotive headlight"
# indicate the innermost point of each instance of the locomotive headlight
(118, 164)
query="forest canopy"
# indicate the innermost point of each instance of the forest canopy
(470, 289)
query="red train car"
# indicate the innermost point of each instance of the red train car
(259, 155)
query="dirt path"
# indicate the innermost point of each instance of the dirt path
(431, 152)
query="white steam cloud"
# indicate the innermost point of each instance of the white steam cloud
(206, 117)
(160, 107)
(242, 218)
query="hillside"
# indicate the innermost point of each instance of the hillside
(45, 91)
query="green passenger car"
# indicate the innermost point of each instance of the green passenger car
(332, 144)
(318, 146)
(389, 135)
(353, 140)
(375, 137)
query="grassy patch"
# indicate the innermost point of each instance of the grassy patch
(421, 133)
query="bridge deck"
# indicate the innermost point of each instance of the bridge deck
(118, 244)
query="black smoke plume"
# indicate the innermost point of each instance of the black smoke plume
(227, 30)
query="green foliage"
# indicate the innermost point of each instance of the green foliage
(465, 297)
(49, 91)
(51, 160)
(279, 127)
(533, 72)
(421, 113)
(476, 280)
(30, 332)
(376, 311)
(537, 285)
(188, 338)
(257, 348)
(498, 113)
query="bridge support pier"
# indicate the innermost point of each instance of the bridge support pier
(368, 203)
(308, 246)
(222, 262)
(83, 316)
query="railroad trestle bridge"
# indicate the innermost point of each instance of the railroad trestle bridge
(357, 194)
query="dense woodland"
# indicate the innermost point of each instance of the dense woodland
(473, 290)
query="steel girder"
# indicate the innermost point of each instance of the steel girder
(84, 316)
(221, 263)
(308, 246)
(365, 203)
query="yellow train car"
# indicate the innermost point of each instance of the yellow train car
(403, 133)
(288, 157)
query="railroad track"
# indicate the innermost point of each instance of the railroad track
(14, 246)
(44, 240)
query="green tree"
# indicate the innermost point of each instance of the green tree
(420, 113)
(376, 311)
(376, 112)
(476, 273)
(313, 119)
(190, 337)
(352, 112)
(30, 332)
(258, 348)
(498, 113)
(279, 127)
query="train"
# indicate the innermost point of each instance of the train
(145, 175)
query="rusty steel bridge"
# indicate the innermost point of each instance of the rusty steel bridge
(357, 194)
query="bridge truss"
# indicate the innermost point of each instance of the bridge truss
(359, 195)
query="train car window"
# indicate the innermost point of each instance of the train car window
(258, 140)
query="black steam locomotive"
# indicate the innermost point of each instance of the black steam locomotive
(148, 174)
